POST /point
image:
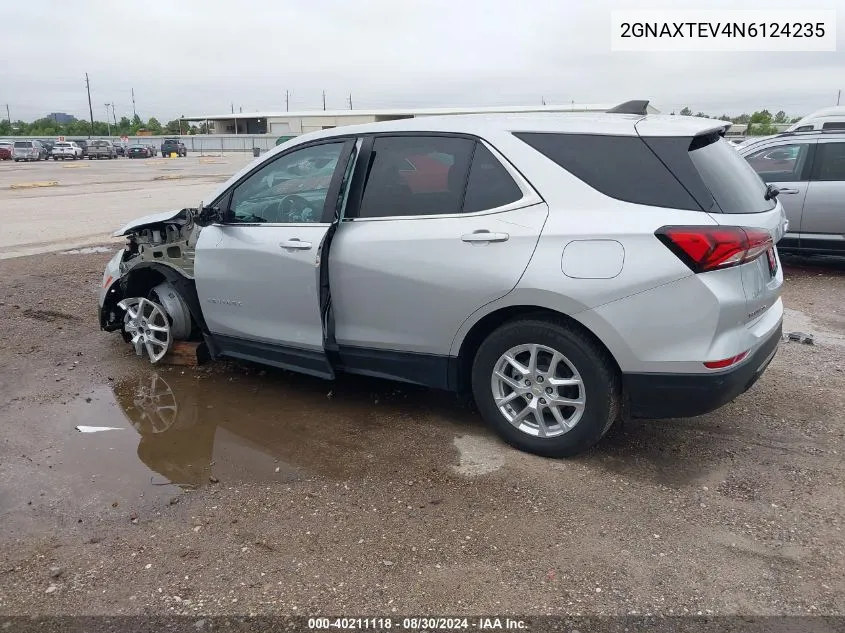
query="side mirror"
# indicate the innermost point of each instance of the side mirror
(211, 215)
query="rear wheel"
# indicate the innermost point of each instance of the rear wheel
(545, 387)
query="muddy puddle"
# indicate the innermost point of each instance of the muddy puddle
(177, 429)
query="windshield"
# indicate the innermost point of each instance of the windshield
(732, 182)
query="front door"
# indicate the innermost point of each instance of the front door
(787, 166)
(258, 275)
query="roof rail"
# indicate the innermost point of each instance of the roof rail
(801, 132)
(759, 139)
(631, 107)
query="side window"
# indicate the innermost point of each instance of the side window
(830, 162)
(621, 167)
(834, 125)
(804, 128)
(782, 163)
(489, 184)
(290, 189)
(416, 175)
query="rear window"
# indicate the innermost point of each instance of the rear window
(622, 167)
(23, 143)
(732, 182)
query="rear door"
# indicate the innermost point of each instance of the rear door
(442, 226)
(823, 222)
(258, 277)
(786, 164)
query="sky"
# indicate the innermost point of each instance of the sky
(193, 57)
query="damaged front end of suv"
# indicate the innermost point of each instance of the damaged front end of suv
(148, 291)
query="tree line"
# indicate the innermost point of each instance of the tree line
(760, 123)
(48, 126)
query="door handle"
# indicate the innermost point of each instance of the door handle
(787, 190)
(296, 244)
(485, 236)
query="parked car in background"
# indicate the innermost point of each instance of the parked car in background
(83, 145)
(808, 169)
(832, 118)
(119, 147)
(586, 266)
(173, 146)
(6, 150)
(28, 151)
(66, 149)
(48, 147)
(101, 149)
(138, 151)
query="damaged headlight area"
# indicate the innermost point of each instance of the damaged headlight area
(148, 291)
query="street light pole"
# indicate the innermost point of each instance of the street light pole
(108, 123)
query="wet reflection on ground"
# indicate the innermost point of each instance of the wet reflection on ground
(198, 428)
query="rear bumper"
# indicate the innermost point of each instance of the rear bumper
(685, 395)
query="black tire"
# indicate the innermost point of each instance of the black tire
(598, 372)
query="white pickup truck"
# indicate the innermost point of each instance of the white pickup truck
(66, 149)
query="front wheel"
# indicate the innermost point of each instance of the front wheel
(545, 387)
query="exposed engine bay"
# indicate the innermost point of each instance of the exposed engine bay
(171, 243)
(148, 291)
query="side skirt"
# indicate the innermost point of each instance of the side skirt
(305, 361)
(428, 370)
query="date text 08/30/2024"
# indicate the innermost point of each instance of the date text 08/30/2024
(417, 623)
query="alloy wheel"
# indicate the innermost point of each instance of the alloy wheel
(538, 390)
(147, 324)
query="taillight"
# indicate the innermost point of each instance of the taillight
(704, 248)
(726, 362)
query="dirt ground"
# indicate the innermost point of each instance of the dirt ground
(234, 490)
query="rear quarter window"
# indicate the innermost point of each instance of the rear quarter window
(732, 182)
(621, 167)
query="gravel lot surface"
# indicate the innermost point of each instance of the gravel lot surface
(231, 489)
(359, 497)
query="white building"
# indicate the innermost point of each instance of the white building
(294, 123)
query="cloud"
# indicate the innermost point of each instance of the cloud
(202, 56)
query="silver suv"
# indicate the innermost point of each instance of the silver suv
(808, 168)
(564, 269)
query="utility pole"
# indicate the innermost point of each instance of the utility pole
(8, 116)
(350, 100)
(543, 100)
(113, 115)
(134, 114)
(108, 125)
(90, 107)
(324, 99)
(838, 97)
(233, 107)
(287, 101)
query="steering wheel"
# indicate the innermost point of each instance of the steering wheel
(291, 208)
